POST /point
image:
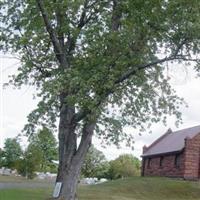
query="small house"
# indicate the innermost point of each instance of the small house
(174, 154)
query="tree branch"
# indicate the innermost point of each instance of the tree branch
(44, 73)
(86, 138)
(57, 48)
(115, 26)
(81, 114)
(83, 14)
(60, 19)
(84, 19)
(116, 15)
(131, 72)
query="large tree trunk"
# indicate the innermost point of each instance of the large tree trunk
(70, 179)
(70, 157)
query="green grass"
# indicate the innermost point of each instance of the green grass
(24, 194)
(127, 189)
(143, 189)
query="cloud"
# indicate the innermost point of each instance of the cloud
(15, 104)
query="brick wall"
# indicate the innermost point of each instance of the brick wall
(192, 157)
(167, 168)
(188, 160)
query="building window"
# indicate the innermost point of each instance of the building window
(161, 161)
(149, 163)
(177, 160)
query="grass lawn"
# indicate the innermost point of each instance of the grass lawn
(24, 194)
(127, 189)
(143, 189)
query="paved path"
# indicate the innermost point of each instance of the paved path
(25, 185)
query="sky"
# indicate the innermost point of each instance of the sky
(15, 105)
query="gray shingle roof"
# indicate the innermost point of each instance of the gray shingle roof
(171, 141)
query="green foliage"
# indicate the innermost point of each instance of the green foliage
(45, 144)
(30, 163)
(101, 54)
(124, 166)
(12, 152)
(39, 154)
(95, 164)
(1, 158)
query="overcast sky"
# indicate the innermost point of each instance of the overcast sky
(15, 105)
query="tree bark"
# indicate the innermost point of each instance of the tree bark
(70, 157)
(69, 182)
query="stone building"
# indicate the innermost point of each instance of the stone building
(174, 154)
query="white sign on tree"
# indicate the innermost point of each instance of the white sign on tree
(57, 189)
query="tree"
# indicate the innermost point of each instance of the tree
(95, 164)
(124, 166)
(1, 158)
(98, 65)
(39, 154)
(12, 152)
(30, 162)
(46, 144)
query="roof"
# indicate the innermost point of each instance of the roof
(171, 141)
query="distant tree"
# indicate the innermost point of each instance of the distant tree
(39, 154)
(46, 144)
(30, 162)
(1, 158)
(12, 152)
(95, 164)
(124, 166)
